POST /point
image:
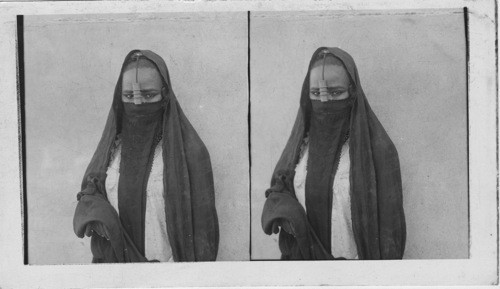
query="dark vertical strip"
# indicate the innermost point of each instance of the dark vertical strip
(466, 23)
(22, 136)
(249, 137)
(497, 123)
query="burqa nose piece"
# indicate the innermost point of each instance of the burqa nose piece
(136, 87)
(323, 88)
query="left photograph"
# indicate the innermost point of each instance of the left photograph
(135, 137)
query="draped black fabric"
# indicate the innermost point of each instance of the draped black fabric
(282, 206)
(377, 215)
(327, 134)
(94, 207)
(191, 218)
(141, 128)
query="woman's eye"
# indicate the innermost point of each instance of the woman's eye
(128, 96)
(315, 93)
(336, 92)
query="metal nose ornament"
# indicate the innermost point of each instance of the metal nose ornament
(323, 90)
(136, 87)
(136, 90)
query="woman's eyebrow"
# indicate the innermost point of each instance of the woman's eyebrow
(330, 87)
(337, 87)
(142, 90)
(149, 90)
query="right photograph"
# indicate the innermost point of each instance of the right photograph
(359, 139)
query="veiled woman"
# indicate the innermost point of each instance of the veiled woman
(148, 192)
(336, 191)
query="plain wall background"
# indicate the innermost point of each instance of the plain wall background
(413, 71)
(72, 64)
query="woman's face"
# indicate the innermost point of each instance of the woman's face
(330, 83)
(141, 85)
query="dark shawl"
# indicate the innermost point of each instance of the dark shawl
(191, 218)
(94, 207)
(378, 220)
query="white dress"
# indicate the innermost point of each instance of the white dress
(157, 245)
(343, 243)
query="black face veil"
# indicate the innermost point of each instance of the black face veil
(328, 131)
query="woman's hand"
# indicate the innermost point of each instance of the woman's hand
(98, 228)
(285, 225)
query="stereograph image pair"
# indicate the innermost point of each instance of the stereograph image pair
(315, 146)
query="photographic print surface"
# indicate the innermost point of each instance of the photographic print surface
(412, 67)
(408, 55)
(72, 64)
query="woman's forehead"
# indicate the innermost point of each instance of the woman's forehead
(142, 75)
(335, 74)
